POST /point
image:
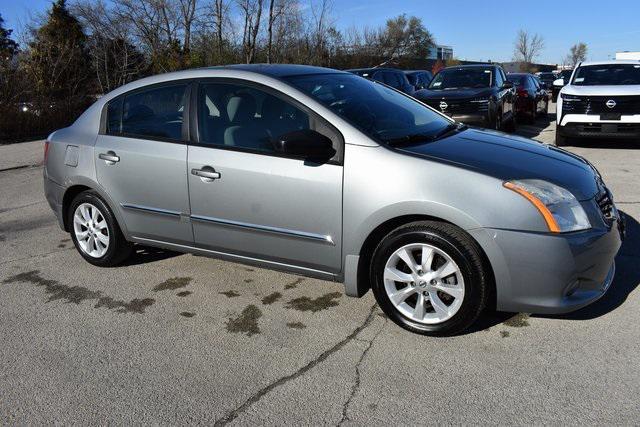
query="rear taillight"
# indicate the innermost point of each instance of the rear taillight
(522, 92)
(46, 152)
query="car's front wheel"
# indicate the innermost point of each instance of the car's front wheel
(561, 140)
(429, 277)
(95, 231)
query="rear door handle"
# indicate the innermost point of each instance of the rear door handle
(109, 157)
(207, 174)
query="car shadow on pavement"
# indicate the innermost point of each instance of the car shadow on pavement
(535, 129)
(147, 254)
(608, 144)
(626, 280)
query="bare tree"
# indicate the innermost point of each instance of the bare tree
(527, 47)
(252, 13)
(577, 53)
(188, 15)
(276, 9)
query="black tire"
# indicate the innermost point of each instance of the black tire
(561, 140)
(461, 248)
(118, 249)
(497, 121)
(511, 125)
(531, 116)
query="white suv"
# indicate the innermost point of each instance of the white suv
(602, 100)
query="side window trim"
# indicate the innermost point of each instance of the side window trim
(314, 118)
(185, 115)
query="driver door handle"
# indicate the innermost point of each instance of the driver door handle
(208, 174)
(109, 157)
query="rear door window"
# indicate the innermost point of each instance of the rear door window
(156, 113)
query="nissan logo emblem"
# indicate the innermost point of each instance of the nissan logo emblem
(611, 103)
(444, 105)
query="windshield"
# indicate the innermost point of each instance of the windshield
(547, 77)
(516, 79)
(380, 112)
(461, 78)
(607, 74)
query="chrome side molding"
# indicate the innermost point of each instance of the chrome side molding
(267, 229)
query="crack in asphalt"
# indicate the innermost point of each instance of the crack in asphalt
(356, 383)
(13, 168)
(232, 415)
(37, 256)
(13, 208)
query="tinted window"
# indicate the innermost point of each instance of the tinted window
(459, 78)
(114, 117)
(608, 74)
(518, 80)
(155, 113)
(500, 78)
(378, 111)
(236, 115)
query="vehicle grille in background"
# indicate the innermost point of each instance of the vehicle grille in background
(597, 105)
(613, 128)
(458, 106)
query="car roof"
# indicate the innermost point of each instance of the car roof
(279, 70)
(611, 62)
(471, 66)
(415, 71)
(353, 70)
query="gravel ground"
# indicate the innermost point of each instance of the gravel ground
(175, 339)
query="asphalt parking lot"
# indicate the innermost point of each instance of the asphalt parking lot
(172, 338)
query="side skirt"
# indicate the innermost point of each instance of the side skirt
(272, 265)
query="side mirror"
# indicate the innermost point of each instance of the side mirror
(306, 144)
(558, 82)
(507, 85)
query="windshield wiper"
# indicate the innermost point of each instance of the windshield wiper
(448, 130)
(420, 137)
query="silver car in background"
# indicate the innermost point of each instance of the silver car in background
(327, 174)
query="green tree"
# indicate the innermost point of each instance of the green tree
(8, 47)
(405, 37)
(58, 62)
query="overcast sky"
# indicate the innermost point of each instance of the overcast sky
(477, 30)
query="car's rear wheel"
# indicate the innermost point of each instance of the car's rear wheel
(95, 231)
(497, 123)
(429, 278)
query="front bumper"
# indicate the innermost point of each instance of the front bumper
(479, 119)
(617, 130)
(548, 273)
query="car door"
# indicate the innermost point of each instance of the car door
(249, 200)
(140, 158)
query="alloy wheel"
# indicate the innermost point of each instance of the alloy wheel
(424, 283)
(91, 231)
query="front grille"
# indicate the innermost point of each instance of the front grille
(606, 206)
(608, 128)
(627, 105)
(458, 106)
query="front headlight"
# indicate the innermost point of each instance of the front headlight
(560, 209)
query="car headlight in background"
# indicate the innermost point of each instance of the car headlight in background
(559, 207)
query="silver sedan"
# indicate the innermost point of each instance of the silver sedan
(327, 174)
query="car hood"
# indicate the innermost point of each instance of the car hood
(452, 94)
(611, 90)
(508, 157)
